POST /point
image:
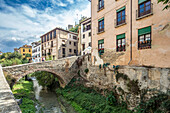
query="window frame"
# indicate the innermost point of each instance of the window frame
(101, 25)
(102, 5)
(121, 17)
(144, 8)
(101, 47)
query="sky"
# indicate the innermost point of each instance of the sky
(24, 21)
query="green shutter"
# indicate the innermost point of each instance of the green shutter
(143, 31)
(101, 41)
(120, 36)
(121, 9)
(141, 1)
(101, 19)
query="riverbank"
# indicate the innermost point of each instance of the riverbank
(86, 100)
(24, 89)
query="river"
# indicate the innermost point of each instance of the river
(47, 99)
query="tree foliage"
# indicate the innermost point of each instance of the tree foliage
(9, 59)
(166, 3)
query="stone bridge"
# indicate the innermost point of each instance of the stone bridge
(64, 69)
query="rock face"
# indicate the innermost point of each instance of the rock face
(63, 69)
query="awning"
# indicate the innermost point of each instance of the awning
(121, 9)
(141, 1)
(120, 36)
(101, 41)
(143, 31)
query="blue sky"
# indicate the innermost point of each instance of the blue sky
(24, 21)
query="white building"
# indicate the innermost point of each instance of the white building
(85, 36)
(36, 52)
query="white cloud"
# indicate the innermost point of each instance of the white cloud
(28, 24)
(70, 1)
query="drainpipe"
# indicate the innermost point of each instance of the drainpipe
(130, 32)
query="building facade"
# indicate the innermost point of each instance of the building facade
(36, 51)
(85, 36)
(59, 43)
(26, 51)
(134, 32)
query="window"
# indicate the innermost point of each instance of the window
(63, 50)
(74, 43)
(144, 7)
(47, 37)
(50, 35)
(70, 50)
(89, 33)
(101, 25)
(90, 44)
(120, 42)
(74, 37)
(144, 38)
(75, 51)
(101, 46)
(120, 16)
(83, 46)
(51, 43)
(88, 27)
(23, 50)
(54, 33)
(29, 50)
(83, 35)
(70, 42)
(41, 39)
(100, 4)
(23, 54)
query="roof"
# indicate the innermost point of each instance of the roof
(59, 29)
(85, 20)
(26, 46)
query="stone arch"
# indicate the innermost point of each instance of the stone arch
(62, 81)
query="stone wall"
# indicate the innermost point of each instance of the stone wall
(7, 100)
(132, 80)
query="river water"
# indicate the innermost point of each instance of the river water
(47, 99)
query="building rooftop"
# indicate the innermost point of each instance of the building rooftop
(57, 28)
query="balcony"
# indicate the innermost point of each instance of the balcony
(121, 48)
(144, 45)
(120, 23)
(145, 13)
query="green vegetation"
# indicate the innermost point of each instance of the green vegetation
(75, 29)
(9, 59)
(159, 103)
(24, 89)
(87, 100)
(46, 79)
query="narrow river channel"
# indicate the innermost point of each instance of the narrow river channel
(47, 99)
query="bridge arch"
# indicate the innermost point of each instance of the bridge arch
(59, 77)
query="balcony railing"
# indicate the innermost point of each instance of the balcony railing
(121, 48)
(145, 12)
(122, 22)
(144, 44)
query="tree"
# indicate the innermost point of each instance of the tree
(165, 2)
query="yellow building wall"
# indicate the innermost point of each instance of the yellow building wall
(21, 51)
